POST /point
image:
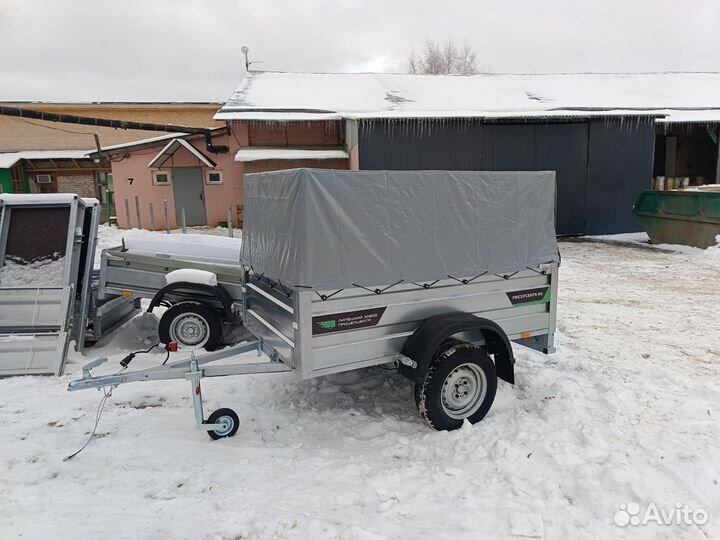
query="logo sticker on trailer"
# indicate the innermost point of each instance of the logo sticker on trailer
(350, 320)
(529, 296)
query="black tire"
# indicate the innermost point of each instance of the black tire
(444, 346)
(191, 315)
(460, 384)
(227, 416)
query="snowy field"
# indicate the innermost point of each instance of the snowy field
(625, 412)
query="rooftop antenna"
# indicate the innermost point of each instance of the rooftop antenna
(244, 49)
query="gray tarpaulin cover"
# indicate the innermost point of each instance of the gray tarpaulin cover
(329, 229)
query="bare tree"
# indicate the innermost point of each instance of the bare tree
(443, 59)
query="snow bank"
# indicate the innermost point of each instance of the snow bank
(636, 238)
(191, 275)
(641, 239)
(713, 252)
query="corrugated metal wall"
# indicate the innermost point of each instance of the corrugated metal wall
(620, 165)
(563, 148)
(601, 165)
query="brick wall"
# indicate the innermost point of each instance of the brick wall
(82, 184)
(295, 134)
(276, 164)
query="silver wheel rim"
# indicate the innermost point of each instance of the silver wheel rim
(190, 329)
(464, 391)
(228, 422)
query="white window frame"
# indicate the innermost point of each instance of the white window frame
(208, 172)
(167, 173)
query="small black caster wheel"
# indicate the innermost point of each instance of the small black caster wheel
(230, 421)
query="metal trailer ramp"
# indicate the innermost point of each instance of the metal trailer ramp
(33, 330)
(47, 245)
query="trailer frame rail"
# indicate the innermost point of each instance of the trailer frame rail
(195, 368)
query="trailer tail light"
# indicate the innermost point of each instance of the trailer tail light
(172, 346)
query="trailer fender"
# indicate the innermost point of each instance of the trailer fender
(194, 292)
(421, 346)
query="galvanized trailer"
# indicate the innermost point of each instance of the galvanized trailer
(200, 315)
(336, 276)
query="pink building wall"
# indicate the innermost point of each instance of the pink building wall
(217, 196)
(134, 165)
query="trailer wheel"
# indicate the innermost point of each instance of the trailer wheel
(460, 384)
(228, 418)
(444, 346)
(192, 326)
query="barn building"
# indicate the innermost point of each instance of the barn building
(600, 132)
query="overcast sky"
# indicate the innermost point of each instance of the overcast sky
(165, 50)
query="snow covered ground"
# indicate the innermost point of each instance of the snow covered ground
(625, 412)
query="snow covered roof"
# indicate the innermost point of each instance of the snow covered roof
(281, 96)
(173, 146)
(258, 154)
(9, 159)
(675, 116)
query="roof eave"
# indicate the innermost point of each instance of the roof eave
(173, 146)
(299, 115)
(156, 141)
